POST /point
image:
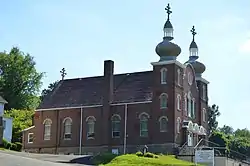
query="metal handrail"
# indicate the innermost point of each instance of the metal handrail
(182, 147)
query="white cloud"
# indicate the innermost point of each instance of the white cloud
(245, 47)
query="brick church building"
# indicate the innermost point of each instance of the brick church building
(162, 108)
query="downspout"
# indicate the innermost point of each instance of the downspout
(80, 135)
(125, 128)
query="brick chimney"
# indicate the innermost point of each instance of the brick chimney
(108, 81)
(108, 90)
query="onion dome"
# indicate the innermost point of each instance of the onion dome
(193, 49)
(168, 50)
(199, 67)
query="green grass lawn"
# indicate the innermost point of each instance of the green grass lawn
(134, 160)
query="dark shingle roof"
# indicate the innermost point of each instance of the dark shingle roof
(2, 100)
(131, 87)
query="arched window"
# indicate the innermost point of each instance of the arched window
(90, 127)
(144, 124)
(178, 124)
(178, 102)
(193, 109)
(116, 126)
(163, 124)
(67, 123)
(178, 76)
(163, 76)
(204, 92)
(163, 101)
(189, 102)
(204, 115)
(185, 104)
(47, 129)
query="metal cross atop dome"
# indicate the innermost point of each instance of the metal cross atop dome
(63, 73)
(168, 9)
(193, 32)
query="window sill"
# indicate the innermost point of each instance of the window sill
(67, 139)
(163, 131)
(164, 108)
(30, 142)
(90, 138)
(116, 137)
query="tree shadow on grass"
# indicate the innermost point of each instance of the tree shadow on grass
(86, 160)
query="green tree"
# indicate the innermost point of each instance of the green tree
(20, 82)
(219, 139)
(213, 113)
(226, 129)
(22, 119)
(242, 133)
(46, 92)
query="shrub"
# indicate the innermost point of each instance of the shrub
(139, 154)
(18, 146)
(5, 142)
(149, 155)
(13, 146)
(8, 145)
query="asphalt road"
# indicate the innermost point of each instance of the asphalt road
(25, 159)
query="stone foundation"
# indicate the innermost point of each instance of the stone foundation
(167, 148)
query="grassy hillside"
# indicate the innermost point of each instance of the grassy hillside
(134, 160)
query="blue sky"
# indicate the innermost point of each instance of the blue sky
(79, 35)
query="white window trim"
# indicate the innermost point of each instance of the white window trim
(64, 133)
(193, 108)
(190, 78)
(185, 104)
(163, 94)
(29, 138)
(162, 76)
(178, 126)
(112, 121)
(88, 133)
(178, 102)
(47, 136)
(189, 104)
(204, 115)
(179, 77)
(160, 119)
(204, 92)
(140, 117)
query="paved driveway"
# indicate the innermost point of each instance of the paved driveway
(9, 158)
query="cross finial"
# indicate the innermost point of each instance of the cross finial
(193, 32)
(63, 73)
(168, 9)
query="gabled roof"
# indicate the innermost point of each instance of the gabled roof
(2, 100)
(131, 87)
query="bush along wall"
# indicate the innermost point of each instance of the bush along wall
(17, 146)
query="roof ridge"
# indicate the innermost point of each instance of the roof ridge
(88, 77)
